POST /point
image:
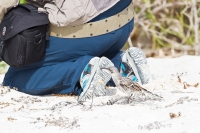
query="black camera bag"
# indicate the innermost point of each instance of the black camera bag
(23, 36)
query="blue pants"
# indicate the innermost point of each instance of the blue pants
(65, 59)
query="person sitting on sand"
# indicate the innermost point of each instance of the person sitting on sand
(80, 47)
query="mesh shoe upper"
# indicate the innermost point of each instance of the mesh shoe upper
(127, 71)
(94, 78)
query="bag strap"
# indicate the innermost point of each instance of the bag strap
(29, 7)
(39, 3)
(1, 50)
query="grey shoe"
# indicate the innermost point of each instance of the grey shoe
(94, 78)
(134, 65)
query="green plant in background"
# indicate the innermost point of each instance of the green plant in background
(3, 67)
(23, 2)
(167, 23)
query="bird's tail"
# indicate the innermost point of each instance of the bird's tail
(152, 96)
(144, 95)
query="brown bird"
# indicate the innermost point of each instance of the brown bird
(135, 91)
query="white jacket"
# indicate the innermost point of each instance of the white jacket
(76, 12)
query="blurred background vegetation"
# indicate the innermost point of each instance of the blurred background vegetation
(163, 27)
(166, 26)
(3, 67)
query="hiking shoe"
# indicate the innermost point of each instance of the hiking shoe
(94, 78)
(126, 70)
(134, 65)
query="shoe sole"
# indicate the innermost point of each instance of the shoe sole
(99, 89)
(141, 64)
(105, 75)
(133, 66)
(94, 69)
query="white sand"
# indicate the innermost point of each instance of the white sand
(21, 113)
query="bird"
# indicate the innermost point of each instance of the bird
(134, 90)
